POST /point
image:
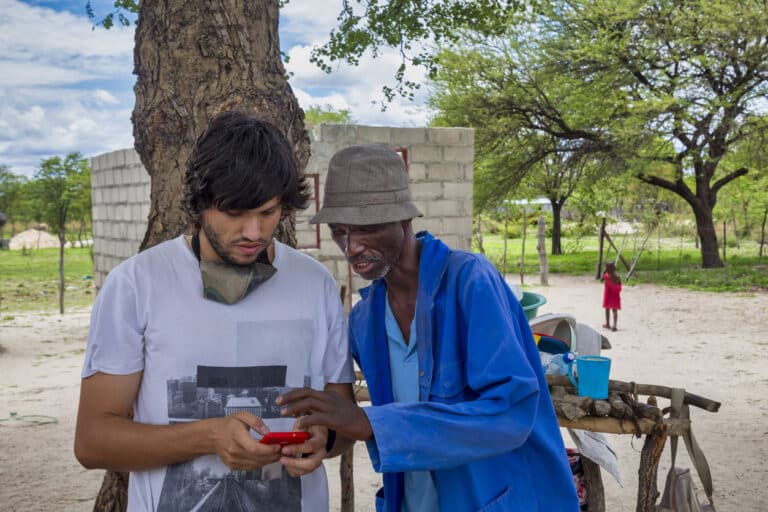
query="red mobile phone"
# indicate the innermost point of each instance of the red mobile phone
(282, 438)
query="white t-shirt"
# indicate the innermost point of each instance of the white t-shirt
(202, 359)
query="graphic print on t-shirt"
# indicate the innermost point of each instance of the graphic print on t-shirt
(206, 484)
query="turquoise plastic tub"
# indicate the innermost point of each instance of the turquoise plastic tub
(531, 303)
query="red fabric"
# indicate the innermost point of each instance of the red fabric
(611, 293)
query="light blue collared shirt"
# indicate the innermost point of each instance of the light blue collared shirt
(420, 493)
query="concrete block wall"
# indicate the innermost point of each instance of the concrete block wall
(440, 167)
(120, 197)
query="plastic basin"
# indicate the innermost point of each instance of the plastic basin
(531, 303)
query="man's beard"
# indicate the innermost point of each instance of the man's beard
(383, 270)
(219, 248)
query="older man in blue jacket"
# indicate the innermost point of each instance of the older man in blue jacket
(461, 418)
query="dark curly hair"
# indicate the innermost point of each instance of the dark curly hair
(239, 163)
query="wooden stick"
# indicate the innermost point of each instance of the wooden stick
(643, 389)
(647, 491)
(594, 482)
(608, 425)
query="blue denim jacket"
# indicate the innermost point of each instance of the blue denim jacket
(484, 424)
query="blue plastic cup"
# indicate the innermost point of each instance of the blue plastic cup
(591, 376)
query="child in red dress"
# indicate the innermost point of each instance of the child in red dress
(611, 294)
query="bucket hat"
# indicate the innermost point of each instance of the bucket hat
(366, 184)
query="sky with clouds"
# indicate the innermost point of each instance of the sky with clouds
(65, 86)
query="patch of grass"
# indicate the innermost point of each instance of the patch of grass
(666, 262)
(30, 279)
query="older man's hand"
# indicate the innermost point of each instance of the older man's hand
(328, 409)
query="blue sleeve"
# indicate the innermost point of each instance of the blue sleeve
(498, 402)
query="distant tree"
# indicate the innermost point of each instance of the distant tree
(58, 187)
(327, 114)
(646, 82)
(11, 186)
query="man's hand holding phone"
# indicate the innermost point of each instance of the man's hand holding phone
(300, 459)
(236, 447)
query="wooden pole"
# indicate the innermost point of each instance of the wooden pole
(599, 271)
(594, 482)
(542, 249)
(724, 241)
(618, 253)
(647, 491)
(522, 252)
(642, 389)
(346, 473)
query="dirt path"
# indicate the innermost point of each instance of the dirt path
(714, 345)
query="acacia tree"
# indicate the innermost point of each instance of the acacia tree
(10, 195)
(57, 187)
(673, 82)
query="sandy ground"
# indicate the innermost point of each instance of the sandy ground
(713, 345)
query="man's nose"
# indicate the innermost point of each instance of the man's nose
(252, 228)
(354, 247)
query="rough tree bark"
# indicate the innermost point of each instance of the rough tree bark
(541, 247)
(194, 59)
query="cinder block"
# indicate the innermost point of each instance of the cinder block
(408, 136)
(132, 158)
(368, 134)
(143, 209)
(460, 226)
(427, 190)
(109, 177)
(417, 172)
(445, 171)
(423, 153)
(136, 213)
(469, 171)
(119, 158)
(446, 136)
(95, 165)
(457, 190)
(339, 133)
(443, 208)
(122, 193)
(432, 224)
(461, 154)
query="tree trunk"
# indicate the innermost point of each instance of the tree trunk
(62, 241)
(541, 247)
(479, 234)
(705, 227)
(192, 62)
(599, 272)
(557, 209)
(522, 251)
(762, 232)
(505, 235)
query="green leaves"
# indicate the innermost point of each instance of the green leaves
(412, 27)
(122, 8)
(61, 188)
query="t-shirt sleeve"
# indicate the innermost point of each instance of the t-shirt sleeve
(116, 335)
(337, 360)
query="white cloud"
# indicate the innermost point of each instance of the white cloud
(356, 88)
(104, 97)
(66, 87)
(55, 92)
